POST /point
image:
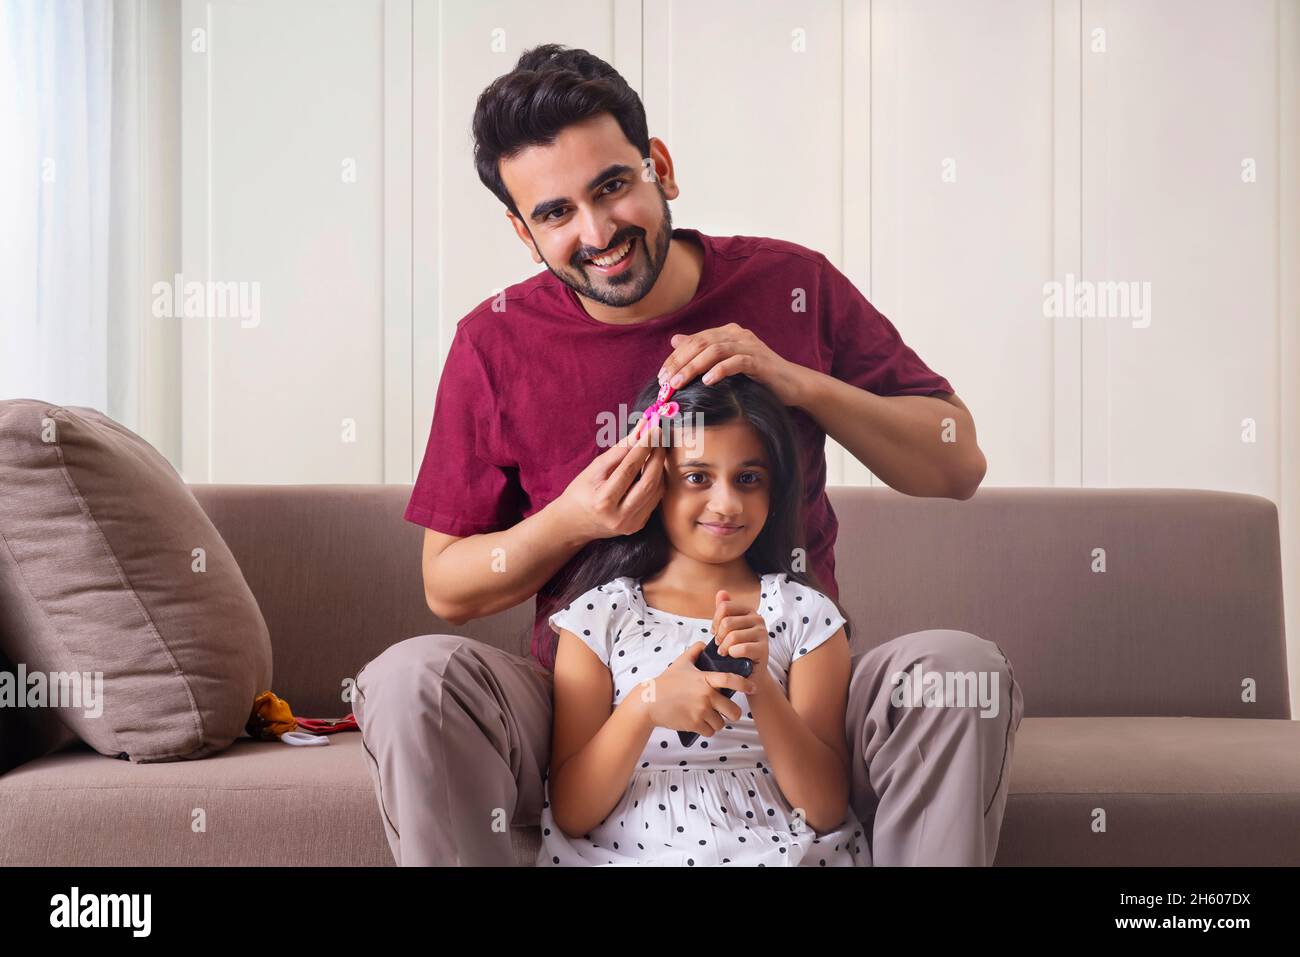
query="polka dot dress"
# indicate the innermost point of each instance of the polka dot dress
(716, 802)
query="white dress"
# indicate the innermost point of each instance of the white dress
(716, 802)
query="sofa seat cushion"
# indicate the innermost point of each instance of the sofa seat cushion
(1176, 791)
(264, 802)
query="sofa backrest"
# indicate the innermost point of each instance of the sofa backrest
(1187, 609)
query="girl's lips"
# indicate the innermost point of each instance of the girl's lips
(720, 530)
(619, 266)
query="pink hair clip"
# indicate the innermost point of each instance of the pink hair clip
(660, 407)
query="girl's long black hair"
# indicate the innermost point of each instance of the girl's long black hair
(644, 552)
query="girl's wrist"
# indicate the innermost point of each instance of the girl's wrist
(762, 677)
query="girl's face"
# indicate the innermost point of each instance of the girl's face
(716, 492)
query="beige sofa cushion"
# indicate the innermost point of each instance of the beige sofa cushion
(108, 565)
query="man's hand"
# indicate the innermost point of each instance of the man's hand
(725, 350)
(619, 490)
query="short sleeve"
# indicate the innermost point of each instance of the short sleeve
(867, 351)
(813, 625)
(464, 486)
(593, 617)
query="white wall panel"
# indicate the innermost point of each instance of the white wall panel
(282, 95)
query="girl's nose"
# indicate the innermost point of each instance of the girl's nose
(725, 503)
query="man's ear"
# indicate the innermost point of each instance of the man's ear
(524, 235)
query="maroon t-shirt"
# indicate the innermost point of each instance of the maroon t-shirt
(529, 372)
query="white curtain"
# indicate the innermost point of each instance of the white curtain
(71, 285)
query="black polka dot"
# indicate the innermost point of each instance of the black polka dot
(828, 621)
(805, 619)
(590, 607)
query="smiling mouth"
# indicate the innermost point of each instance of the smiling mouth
(615, 256)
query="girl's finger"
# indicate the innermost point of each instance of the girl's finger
(734, 635)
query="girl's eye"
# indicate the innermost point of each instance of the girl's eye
(746, 475)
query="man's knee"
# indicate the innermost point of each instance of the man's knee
(956, 658)
(408, 667)
(946, 649)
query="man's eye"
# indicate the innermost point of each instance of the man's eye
(554, 211)
(617, 182)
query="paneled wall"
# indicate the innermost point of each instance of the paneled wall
(1081, 212)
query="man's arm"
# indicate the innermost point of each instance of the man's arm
(903, 439)
(468, 578)
(480, 575)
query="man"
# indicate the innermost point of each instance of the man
(513, 482)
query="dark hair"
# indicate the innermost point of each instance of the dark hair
(551, 87)
(644, 552)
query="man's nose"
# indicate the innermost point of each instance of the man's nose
(596, 232)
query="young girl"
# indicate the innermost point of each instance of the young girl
(766, 780)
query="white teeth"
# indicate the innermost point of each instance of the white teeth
(614, 257)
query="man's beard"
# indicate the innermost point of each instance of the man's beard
(630, 286)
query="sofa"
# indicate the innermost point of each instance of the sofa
(1145, 627)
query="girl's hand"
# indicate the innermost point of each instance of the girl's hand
(742, 633)
(687, 699)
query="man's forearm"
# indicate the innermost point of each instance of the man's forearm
(902, 439)
(481, 575)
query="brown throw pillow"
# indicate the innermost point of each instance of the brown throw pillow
(109, 567)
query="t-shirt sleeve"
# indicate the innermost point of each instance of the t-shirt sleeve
(466, 486)
(866, 349)
(815, 625)
(591, 618)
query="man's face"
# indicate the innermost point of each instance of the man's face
(718, 478)
(589, 195)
